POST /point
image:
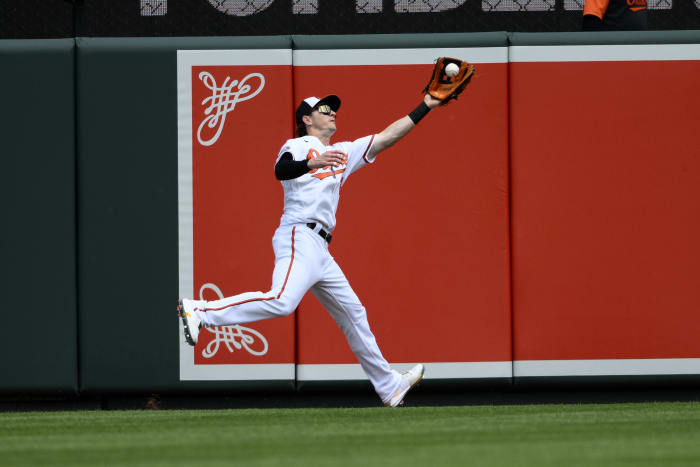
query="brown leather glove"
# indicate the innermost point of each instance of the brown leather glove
(444, 87)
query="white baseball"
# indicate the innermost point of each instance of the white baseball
(451, 69)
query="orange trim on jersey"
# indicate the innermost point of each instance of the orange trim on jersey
(596, 7)
(312, 154)
(266, 298)
(323, 175)
(364, 156)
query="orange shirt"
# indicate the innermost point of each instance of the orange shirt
(596, 7)
(600, 7)
(618, 14)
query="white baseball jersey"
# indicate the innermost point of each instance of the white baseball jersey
(314, 196)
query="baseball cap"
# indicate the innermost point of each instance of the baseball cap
(310, 103)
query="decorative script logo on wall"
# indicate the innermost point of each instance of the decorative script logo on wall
(222, 101)
(234, 337)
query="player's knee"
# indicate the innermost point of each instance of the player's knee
(356, 312)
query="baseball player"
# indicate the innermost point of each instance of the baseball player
(312, 171)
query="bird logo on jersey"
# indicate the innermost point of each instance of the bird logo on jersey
(327, 170)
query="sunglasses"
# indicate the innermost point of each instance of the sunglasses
(324, 109)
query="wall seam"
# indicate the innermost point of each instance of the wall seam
(509, 198)
(76, 192)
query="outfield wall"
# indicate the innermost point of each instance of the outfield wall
(605, 203)
(37, 124)
(540, 229)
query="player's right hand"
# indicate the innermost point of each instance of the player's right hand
(332, 158)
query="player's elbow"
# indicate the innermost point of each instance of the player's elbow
(382, 142)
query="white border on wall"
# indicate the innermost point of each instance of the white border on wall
(433, 370)
(397, 56)
(607, 367)
(603, 53)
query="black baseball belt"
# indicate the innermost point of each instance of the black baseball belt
(324, 235)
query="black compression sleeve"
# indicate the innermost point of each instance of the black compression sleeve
(287, 168)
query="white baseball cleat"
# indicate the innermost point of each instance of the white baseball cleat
(412, 377)
(190, 320)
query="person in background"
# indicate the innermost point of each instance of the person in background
(615, 15)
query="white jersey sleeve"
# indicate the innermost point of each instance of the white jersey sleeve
(293, 147)
(358, 154)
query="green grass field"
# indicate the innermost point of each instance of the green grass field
(643, 434)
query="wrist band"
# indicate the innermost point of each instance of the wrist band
(419, 112)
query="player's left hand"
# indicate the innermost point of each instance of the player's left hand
(444, 86)
(431, 102)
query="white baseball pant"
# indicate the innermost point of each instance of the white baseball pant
(302, 263)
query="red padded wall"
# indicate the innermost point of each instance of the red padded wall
(422, 235)
(605, 166)
(237, 204)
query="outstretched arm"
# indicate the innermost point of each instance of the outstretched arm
(400, 128)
